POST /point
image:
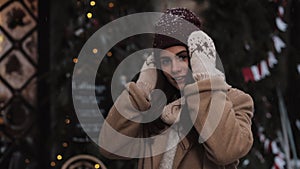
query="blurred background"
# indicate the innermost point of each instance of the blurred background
(258, 42)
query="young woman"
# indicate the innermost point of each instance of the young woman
(208, 122)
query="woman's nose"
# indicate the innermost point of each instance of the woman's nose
(176, 67)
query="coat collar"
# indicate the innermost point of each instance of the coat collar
(182, 148)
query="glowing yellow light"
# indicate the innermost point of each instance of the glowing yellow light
(95, 51)
(1, 38)
(27, 161)
(97, 166)
(89, 15)
(111, 5)
(65, 144)
(92, 3)
(75, 60)
(67, 121)
(109, 54)
(53, 164)
(59, 157)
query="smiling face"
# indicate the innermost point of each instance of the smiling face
(174, 62)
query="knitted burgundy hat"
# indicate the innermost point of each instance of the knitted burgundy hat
(172, 27)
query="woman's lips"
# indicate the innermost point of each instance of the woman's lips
(179, 79)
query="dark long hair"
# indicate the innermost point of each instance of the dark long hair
(171, 93)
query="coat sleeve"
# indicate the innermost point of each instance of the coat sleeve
(120, 123)
(222, 118)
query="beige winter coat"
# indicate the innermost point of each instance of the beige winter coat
(231, 140)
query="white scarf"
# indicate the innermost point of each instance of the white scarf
(168, 157)
(171, 115)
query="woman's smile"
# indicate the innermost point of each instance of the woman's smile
(174, 62)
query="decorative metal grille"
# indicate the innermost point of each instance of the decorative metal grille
(18, 89)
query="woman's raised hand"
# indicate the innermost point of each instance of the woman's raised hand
(203, 56)
(148, 76)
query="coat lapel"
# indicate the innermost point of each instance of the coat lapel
(183, 147)
(158, 144)
(161, 143)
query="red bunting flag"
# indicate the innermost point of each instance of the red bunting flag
(248, 76)
(260, 71)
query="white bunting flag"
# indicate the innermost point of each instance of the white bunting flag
(264, 69)
(255, 72)
(281, 25)
(266, 145)
(79, 31)
(281, 10)
(298, 124)
(275, 149)
(278, 43)
(279, 162)
(272, 59)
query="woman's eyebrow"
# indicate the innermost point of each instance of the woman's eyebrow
(175, 54)
(164, 57)
(181, 52)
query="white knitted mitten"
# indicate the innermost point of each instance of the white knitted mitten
(203, 56)
(148, 77)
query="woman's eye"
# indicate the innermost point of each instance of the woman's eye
(183, 57)
(165, 61)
